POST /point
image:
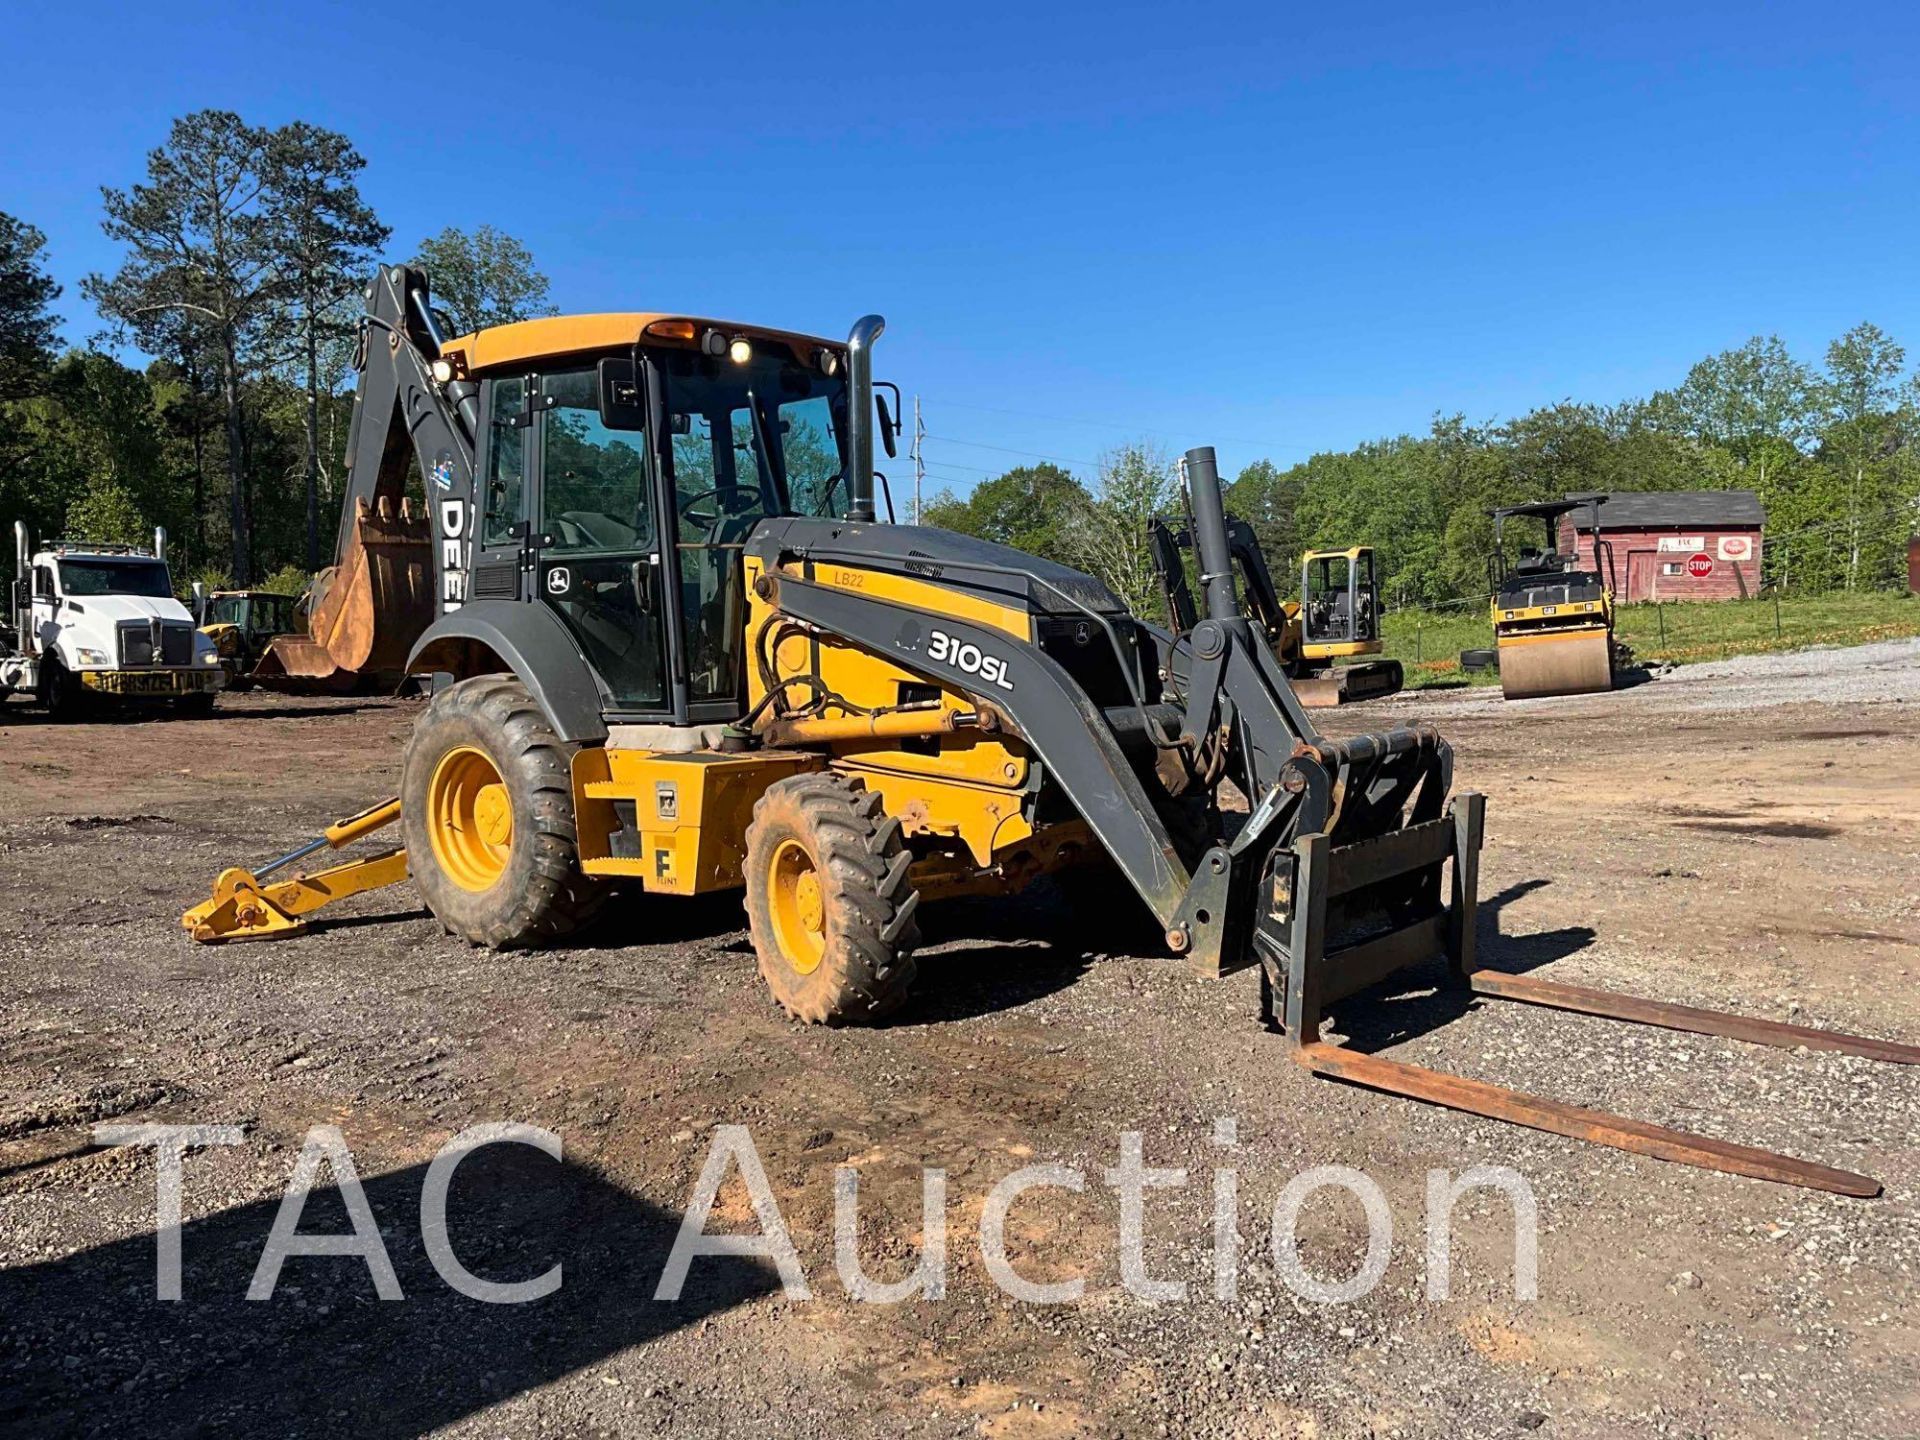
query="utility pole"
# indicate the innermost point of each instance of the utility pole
(919, 466)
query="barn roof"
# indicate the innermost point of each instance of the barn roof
(1678, 509)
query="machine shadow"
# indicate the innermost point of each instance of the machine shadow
(95, 1353)
(977, 957)
(1422, 998)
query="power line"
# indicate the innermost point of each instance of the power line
(1117, 428)
(1014, 450)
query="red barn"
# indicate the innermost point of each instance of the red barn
(1676, 544)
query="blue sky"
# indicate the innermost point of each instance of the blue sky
(1274, 228)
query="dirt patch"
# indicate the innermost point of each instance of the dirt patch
(1796, 1314)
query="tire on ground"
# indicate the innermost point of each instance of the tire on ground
(61, 692)
(823, 857)
(539, 894)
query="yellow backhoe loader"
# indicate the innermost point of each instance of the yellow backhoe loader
(671, 646)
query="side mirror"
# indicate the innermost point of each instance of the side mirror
(889, 419)
(623, 404)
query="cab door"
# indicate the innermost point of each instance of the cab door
(595, 552)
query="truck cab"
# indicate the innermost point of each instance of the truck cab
(96, 621)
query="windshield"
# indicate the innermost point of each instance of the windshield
(752, 440)
(115, 577)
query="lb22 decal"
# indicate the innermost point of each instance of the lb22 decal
(965, 655)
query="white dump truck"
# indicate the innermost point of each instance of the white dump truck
(93, 622)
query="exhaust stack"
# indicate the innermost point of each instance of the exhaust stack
(22, 551)
(160, 543)
(860, 421)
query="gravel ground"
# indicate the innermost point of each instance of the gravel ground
(1751, 844)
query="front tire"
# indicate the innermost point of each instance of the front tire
(828, 902)
(486, 805)
(61, 692)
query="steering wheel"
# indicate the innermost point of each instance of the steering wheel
(712, 519)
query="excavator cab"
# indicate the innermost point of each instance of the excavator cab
(1339, 603)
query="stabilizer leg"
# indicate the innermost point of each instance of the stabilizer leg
(243, 908)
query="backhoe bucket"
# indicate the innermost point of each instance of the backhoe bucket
(366, 612)
(1556, 662)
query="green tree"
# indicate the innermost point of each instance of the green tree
(1862, 394)
(105, 513)
(1136, 483)
(1033, 508)
(1268, 498)
(325, 239)
(483, 277)
(1757, 403)
(199, 244)
(28, 330)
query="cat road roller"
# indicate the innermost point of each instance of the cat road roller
(672, 649)
(1552, 620)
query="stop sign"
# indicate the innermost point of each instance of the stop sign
(1700, 566)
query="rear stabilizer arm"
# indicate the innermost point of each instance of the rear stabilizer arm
(242, 907)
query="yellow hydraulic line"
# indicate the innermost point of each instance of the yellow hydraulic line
(887, 725)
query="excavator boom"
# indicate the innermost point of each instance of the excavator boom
(395, 568)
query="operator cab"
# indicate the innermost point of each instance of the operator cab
(1339, 602)
(1544, 576)
(619, 482)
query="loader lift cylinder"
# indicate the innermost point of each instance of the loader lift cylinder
(1210, 533)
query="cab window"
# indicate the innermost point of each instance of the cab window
(506, 460)
(593, 480)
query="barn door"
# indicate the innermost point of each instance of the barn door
(1643, 571)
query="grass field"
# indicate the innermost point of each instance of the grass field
(1429, 642)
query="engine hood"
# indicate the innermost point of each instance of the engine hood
(962, 561)
(114, 608)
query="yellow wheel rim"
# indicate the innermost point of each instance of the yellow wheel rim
(469, 819)
(798, 906)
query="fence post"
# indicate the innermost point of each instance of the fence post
(1660, 612)
(1419, 629)
(1776, 613)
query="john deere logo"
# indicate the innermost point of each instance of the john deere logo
(559, 580)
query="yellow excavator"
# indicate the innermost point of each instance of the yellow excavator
(671, 646)
(1317, 638)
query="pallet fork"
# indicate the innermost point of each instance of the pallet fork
(1315, 890)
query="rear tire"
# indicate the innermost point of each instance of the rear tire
(486, 805)
(828, 902)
